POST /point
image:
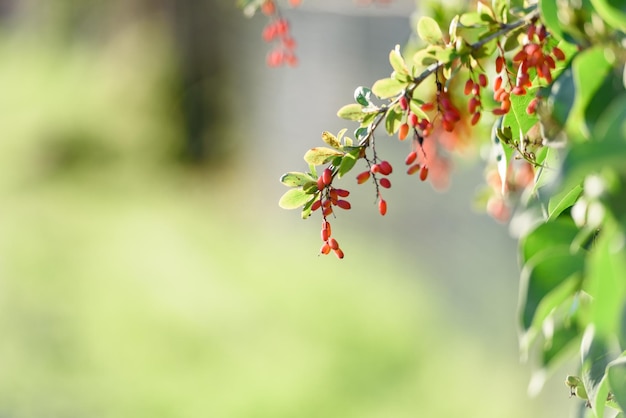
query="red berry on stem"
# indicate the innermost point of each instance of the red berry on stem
(316, 205)
(424, 173)
(558, 53)
(412, 119)
(333, 243)
(325, 249)
(475, 118)
(385, 182)
(363, 177)
(403, 132)
(382, 206)
(327, 176)
(469, 85)
(385, 168)
(413, 169)
(411, 158)
(375, 168)
(339, 253)
(482, 80)
(342, 193)
(343, 204)
(499, 63)
(404, 103)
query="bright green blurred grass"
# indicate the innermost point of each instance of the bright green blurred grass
(132, 291)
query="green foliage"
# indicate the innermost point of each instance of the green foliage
(556, 104)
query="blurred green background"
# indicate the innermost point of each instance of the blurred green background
(147, 271)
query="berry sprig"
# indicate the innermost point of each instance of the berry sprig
(433, 122)
(277, 31)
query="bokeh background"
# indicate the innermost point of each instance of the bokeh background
(147, 271)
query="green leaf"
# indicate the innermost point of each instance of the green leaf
(612, 11)
(501, 9)
(547, 279)
(517, 119)
(559, 232)
(362, 96)
(590, 69)
(397, 62)
(331, 140)
(348, 161)
(590, 157)
(293, 199)
(597, 353)
(605, 280)
(429, 31)
(564, 339)
(563, 200)
(549, 11)
(320, 155)
(415, 107)
(388, 87)
(616, 372)
(353, 111)
(393, 121)
(296, 179)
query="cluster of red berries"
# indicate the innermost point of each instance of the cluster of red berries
(534, 54)
(277, 30)
(330, 243)
(412, 120)
(329, 196)
(474, 105)
(384, 168)
(414, 166)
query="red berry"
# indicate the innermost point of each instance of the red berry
(424, 173)
(333, 243)
(316, 205)
(363, 177)
(426, 107)
(325, 249)
(498, 83)
(499, 112)
(469, 85)
(404, 103)
(327, 211)
(339, 253)
(375, 168)
(295, 3)
(327, 176)
(385, 168)
(411, 158)
(447, 125)
(473, 104)
(499, 63)
(342, 193)
(320, 183)
(385, 182)
(268, 8)
(482, 80)
(413, 169)
(382, 207)
(412, 119)
(325, 234)
(532, 106)
(475, 118)
(403, 132)
(558, 54)
(343, 204)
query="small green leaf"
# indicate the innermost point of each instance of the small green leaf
(393, 121)
(548, 279)
(320, 155)
(397, 62)
(331, 140)
(362, 96)
(429, 31)
(296, 179)
(293, 199)
(559, 232)
(416, 108)
(501, 9)
(388, 87)
(348, 161)
(616, 372)
(353, 111)
(306, 210)
(563, 200)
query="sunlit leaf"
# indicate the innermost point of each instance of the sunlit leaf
(388, 87)
(353, 111)
(429, 31)
(296, 179)
(616, 372)
(393, 121)
(348, 161)
(331, 140)
(612, 11)
(293, 199)
(320, 155)
(397, 62)
(563, 200)
(362, 96)
(556, 233)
